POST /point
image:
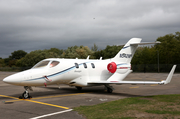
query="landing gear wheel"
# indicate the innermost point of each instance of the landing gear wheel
(25, 95)
(109, 90)
(79, 88)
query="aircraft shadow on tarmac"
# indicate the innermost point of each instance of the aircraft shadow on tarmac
(72, 90)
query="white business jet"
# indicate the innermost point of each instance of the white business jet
(83, 72)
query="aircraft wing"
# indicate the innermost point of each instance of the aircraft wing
(168, 79)
(127, 82)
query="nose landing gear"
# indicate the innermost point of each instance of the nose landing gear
(25, 94)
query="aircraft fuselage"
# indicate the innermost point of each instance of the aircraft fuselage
(75, 72)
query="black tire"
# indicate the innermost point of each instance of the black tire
(109, 90)
(25, 95)
(79, 88)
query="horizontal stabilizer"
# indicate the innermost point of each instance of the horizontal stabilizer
(145, 43)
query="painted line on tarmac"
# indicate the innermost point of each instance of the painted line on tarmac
(13, 100)
(150, 79)
(134, 87)
(47, 104)
(48, 97)
(51, 114)
(9, 97)
(36, 102)
(58, 96)
(135, 78)
(154, 85)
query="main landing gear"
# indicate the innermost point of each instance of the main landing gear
(25, 94)
(109, 88)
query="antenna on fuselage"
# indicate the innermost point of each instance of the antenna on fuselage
(88, 57)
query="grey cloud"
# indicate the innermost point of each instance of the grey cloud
(30, 24)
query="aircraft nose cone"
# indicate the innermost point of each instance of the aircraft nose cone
(13, 79)
(8, 79)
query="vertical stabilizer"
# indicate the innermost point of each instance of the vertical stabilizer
(127, 52)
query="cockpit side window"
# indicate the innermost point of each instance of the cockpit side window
(76, 65)
(85, 66)
(41, 64)
(53, 64)
(92, 64)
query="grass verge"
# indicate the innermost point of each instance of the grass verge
(160, 106)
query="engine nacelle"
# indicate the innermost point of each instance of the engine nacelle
(123, 68)
(112, 67)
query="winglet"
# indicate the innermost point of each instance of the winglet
(168, 79)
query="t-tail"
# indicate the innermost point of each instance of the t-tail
(127, 52)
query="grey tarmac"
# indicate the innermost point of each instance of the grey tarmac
(52, 101)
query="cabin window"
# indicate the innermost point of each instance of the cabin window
(85, 66)
(92, 64)
(53, 64)
(41, 64)
(76, 65)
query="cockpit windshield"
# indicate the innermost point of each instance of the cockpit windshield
(53, 64)
(45, 63)
(41, 64)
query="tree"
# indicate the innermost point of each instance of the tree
(18, 54)
(11, 61)
(77, 52)
(94, 48)
(55, 50)
(169, 48)
(111, 51)
(2, 63)
(34, 57)
(98, 54)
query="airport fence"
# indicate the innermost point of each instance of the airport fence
(154, 68)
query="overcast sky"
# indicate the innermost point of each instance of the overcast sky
(42, 24)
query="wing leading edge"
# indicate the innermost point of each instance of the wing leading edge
(168, 79)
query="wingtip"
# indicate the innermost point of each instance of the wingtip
(168, 79)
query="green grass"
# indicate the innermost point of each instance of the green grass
(160, 106)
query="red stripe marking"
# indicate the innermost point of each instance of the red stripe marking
(123, 67)
(114, 81)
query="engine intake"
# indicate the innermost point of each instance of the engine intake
(112, 67)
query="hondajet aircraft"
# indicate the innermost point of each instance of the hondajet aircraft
(83, 72)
